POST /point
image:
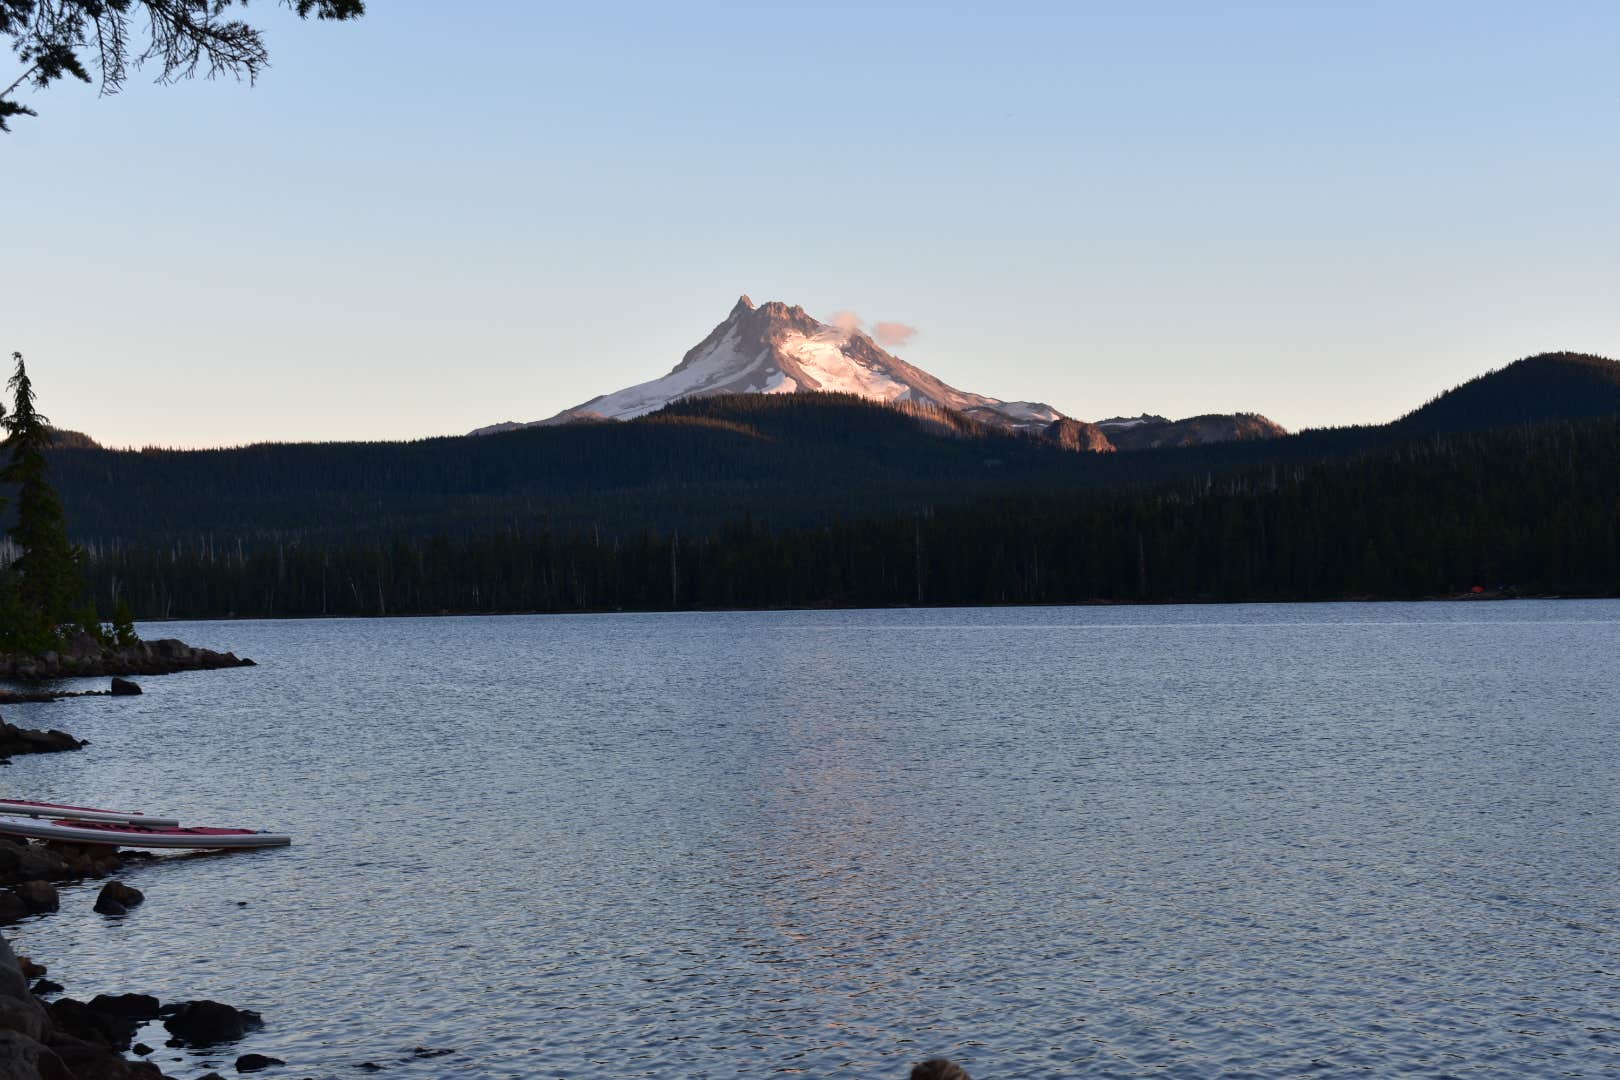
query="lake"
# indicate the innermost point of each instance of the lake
(1250, 841)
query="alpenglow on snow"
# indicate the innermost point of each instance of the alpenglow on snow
(777, 349)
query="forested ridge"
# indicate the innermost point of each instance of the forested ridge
(790, 460)
(1511, 480)
(1523, 509)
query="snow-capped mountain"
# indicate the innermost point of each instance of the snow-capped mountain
(777, 349)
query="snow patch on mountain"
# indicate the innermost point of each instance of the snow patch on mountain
(825, 366)
(777, 349)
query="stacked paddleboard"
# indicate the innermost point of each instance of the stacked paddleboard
(87, 825)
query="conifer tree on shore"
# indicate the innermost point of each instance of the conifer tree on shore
(43, 582)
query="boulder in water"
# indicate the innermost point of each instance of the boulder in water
(115, 894)
(204, 1023)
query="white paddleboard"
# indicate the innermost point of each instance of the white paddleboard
(139, 836)
(81, 813)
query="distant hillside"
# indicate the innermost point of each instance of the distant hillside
(786, 458)
(74, 440)
(782, 461)
(1494, 513)
(1565, 386)
(1155, 432)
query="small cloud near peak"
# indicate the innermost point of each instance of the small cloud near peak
(891, 335)
(847, 322)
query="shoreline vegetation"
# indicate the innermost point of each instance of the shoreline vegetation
(1502, 511)
(1483, 596)
(45, 637)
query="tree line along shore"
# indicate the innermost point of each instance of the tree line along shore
(1525, 510)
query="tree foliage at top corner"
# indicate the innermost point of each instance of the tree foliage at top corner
(57, 38)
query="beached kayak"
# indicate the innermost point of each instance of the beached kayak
(138, 836)
(81, 813)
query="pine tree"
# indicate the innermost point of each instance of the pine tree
(45, 576)
(123, 625)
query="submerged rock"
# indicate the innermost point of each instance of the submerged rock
(204, 1023)
(255, 1062)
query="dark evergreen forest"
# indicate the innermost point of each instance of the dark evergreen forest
(1531, 509)
(1511, 480)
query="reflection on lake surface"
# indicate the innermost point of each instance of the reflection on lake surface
(1183, 841)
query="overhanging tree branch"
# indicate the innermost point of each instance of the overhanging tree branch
(55, 38)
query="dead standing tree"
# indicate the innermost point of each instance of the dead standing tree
(57, 38)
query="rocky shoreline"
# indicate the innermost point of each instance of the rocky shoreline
(45, 1036)
(86, 657)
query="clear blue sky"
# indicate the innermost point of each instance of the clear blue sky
(449, 214)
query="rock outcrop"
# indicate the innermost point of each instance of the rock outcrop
(67, 1040)
(1079, 436)
(1155, 432)
(85, 656)
(15, 740)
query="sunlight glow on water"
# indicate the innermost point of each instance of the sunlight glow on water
(1252, 841)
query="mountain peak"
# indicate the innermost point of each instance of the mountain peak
(779, 348)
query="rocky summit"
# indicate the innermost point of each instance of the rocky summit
(775, 348)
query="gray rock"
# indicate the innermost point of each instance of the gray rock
(11, 908)
(38, 896)
(24, 1015)
(85, 1059)
(12, 982)
(81, 1021)
(124, 688)
(25, 1058)
(117, 895)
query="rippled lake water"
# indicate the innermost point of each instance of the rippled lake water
(1116, 842)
